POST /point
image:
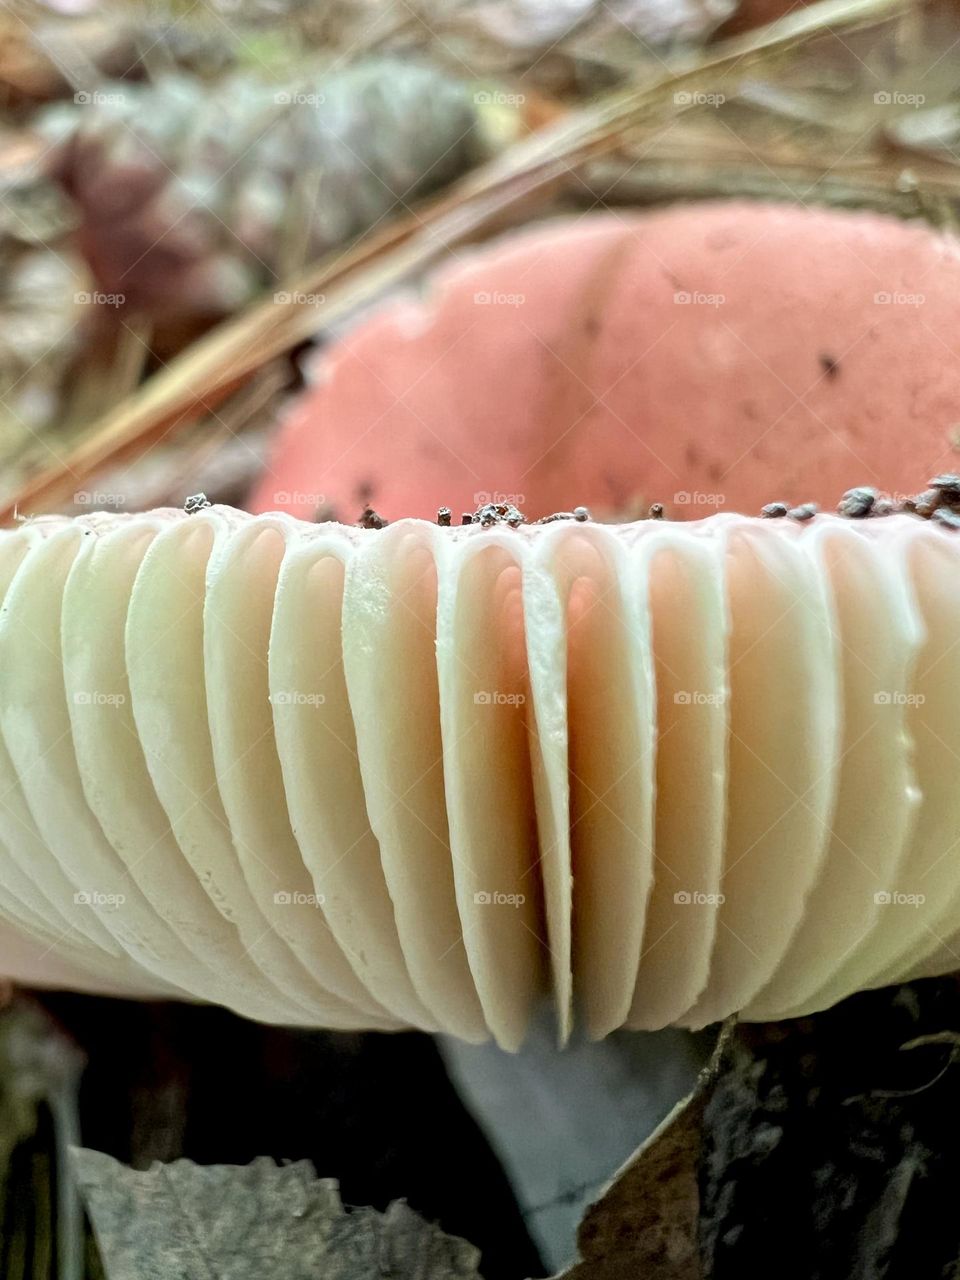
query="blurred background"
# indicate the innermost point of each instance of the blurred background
(208, 213)
(320, 255)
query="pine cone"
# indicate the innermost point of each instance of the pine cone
(193, 199)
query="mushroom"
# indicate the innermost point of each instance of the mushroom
(427, 775)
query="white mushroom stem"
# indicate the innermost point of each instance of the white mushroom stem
(427, 776)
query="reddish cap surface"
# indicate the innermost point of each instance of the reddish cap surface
(712, 355)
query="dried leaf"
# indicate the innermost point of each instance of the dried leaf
(645, 1223)
(253, 1221)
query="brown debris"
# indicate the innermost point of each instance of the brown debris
(557, 515)
(857, 503)
(925, 504)
(487, 515)
(943, 495)
(941, 500)
(948, 486)
(806, 511)
(491, 513)
(370, 519)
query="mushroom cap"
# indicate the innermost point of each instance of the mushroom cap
(706, 355)
(428, 777)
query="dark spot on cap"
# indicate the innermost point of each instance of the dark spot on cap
(774, 510)
(829, 364)
(443, 516)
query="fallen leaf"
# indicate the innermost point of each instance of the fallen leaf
(645, 1223)
(251, 1221)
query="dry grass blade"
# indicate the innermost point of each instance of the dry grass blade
(488, 198)
(894, 186)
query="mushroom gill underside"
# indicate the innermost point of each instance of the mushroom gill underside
(428, 777)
